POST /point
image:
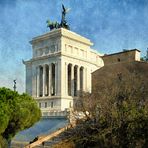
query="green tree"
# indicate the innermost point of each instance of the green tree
(17, 112)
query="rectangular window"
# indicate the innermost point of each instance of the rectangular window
(51, 104)
(81, 52)
(65, 47)
(40, 52)
(40, 105)
(76, 50)
(52, 48)
(70, 49)
(45, 104)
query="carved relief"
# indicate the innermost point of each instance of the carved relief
(46, 50)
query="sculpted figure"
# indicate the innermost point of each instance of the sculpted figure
(56, 25)
(63, 20)
(52, 25)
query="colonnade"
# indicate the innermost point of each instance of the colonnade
(75, 79)
(47, 81)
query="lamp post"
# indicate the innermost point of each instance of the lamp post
(147, 55)
(14, 86)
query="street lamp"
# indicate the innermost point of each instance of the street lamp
(14, 86)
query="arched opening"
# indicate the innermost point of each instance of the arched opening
(47, 80)
(75, 80)
(81, 78)
(53, 79)
(69, 79)
(118, 60)
(45, 104)
(40, 81)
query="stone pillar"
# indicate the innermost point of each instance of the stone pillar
(49, 83)
(56, 78)
(44, 79)
(72, 80)
(66, 79)
(84, 79)
(59, 78)
(38, 81)
(46, 83)
(33, 77)
(78, 80)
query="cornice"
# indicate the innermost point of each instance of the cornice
(42, 57)
(123, 52)
(62, 33)
(76, 37)
(84, 60)
(58, 54)
(51, 34)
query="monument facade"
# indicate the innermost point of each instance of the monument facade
(60, 68)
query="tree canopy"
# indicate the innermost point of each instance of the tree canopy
(17, 112)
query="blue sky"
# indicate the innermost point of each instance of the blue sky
(112, 25)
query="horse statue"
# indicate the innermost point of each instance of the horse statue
(63, 24)
(52, 25)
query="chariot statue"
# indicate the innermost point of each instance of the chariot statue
(63, 24)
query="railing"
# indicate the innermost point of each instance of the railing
(54, 113)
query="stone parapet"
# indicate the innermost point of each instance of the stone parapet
(124, 56)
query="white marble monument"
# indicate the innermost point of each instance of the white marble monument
(61, 66)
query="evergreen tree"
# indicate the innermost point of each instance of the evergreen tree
(17, 112)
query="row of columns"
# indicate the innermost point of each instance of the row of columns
(75, 79)
(48, 81)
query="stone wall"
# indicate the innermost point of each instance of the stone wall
(125, 56)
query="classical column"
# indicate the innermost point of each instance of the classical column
(66, 79)
(78, 80)
(84, 79)
(44, 79)
(52, 90)
(49, 83)
(75, 80)
(81, 78)
(72, 80)
(56, 78)
(38, 81)
(33, 79)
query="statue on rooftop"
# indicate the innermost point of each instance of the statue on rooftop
(53, 25)
(63, 20)
(63, 24)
